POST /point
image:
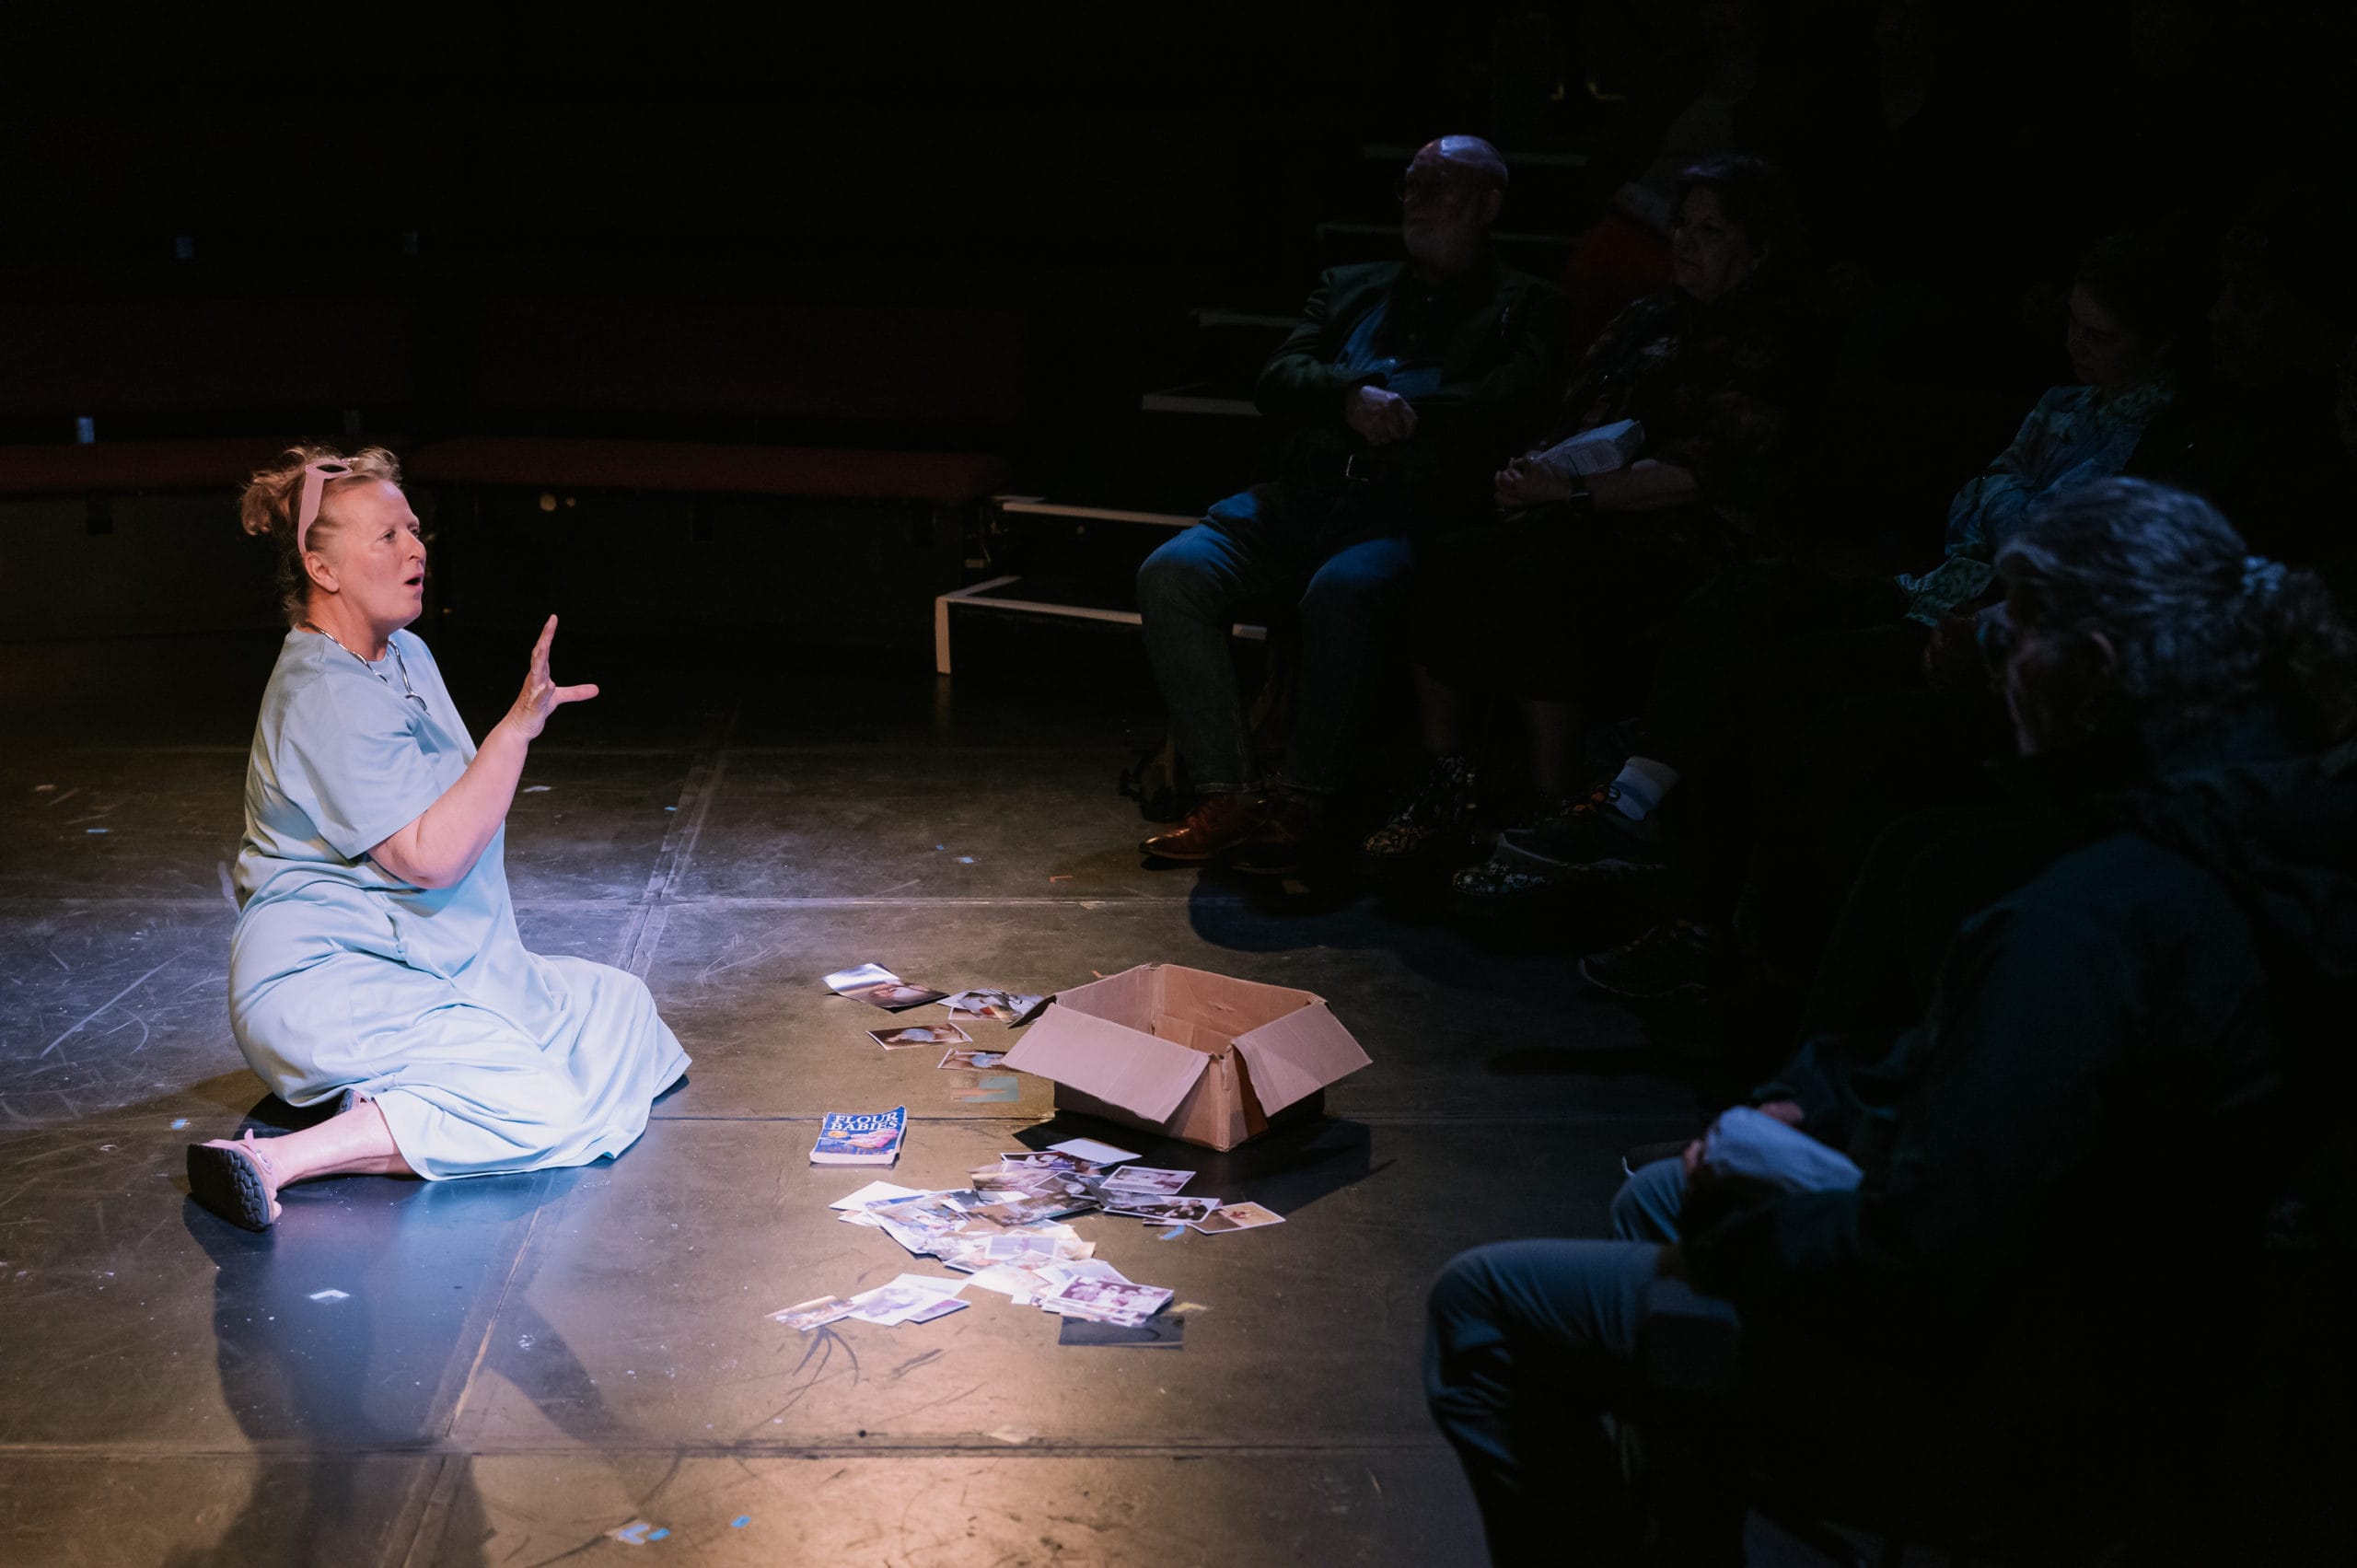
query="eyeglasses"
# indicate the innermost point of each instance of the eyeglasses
(1447, 188)
(307, 512)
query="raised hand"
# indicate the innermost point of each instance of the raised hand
(541, 695)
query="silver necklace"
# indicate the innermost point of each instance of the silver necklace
(408, 691)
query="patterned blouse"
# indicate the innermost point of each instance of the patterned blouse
(2075, 436)
(1717, 388)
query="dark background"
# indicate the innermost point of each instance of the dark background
(1101, 170)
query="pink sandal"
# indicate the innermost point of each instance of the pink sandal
(231, 1181)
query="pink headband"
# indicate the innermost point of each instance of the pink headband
(315, 480)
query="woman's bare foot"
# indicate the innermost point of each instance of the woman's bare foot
(235, 1180)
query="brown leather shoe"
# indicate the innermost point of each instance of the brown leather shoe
(1215, 826)
(1288, 835)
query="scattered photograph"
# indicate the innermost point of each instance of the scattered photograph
(879, 987)
(1109, 1301)
(1145, 1178)
(814, 1314)
(1091, 1150)
(872, 1192)
(862, 977)
(895, 996)
(1024, 1209)
(941, 1309)
(1027, 1160)
(1160, 1211)
(1236, 1216)
(1004, 1006)
(920, 1034)
(970, 1059)
(900, 1300)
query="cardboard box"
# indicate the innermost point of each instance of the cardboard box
(1189, 1054)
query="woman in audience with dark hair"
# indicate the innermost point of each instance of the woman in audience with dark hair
(1764, 657)
(1666, 461)
(1971, 1247)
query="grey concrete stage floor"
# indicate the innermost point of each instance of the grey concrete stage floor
(521, 1365)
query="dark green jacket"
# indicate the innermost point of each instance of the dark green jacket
(1496, 334)
(2091, 1086)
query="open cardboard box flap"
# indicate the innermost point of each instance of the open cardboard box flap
(1109, 1061)
(1297, 1055)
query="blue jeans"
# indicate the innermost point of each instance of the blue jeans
(1647, 1206)
(1344, 554)
(1531, 1347)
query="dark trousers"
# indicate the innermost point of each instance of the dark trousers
(1344, 553)
(1531, 1369)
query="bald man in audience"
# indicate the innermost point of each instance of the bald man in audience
(1404, 386)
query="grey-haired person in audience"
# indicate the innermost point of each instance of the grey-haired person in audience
(2044, 1271)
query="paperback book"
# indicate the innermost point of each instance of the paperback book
(861, 1137)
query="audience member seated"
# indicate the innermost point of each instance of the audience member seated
(2255, 435)
(1995, 1230)
(1402, 386)
(1761, 649)
(1553, 605)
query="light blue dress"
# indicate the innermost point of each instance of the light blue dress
(484, 1057)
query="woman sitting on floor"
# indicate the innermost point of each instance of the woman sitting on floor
(376, 957)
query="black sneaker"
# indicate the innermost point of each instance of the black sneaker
(1674, 958)
(1592, 832)
(1440, 809)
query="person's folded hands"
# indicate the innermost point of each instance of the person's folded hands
(1380, 416)
(1526, 482)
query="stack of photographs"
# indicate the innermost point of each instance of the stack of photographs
(1004, 1232)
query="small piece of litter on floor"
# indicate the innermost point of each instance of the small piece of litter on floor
(1010, 1434)
(94, 829)
(670, 809)
(741, 1521)
(939, 848)
(1065, 878)
(329, 1295)
(533, 789)
(178, 1122)
(1184, 1306)
(106, 1148)
(964, 860)
(37, 788)
(638, 1532)
(1173, 1233)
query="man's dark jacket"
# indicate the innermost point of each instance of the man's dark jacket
(1497, 335)
(2097, 1090)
